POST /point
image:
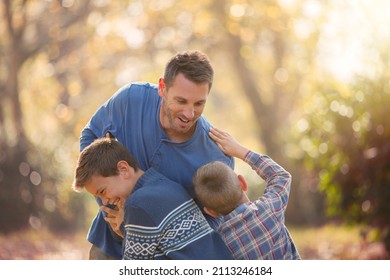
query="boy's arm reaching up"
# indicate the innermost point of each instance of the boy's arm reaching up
(228, 144)
(278, 180)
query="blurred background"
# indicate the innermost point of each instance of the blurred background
(304, 81)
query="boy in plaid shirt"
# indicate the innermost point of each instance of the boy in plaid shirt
(251, 230)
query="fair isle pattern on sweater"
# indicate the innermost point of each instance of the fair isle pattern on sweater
(182, 226)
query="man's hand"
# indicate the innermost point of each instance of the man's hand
(114, 218)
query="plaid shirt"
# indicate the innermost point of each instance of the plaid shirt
(256, 230)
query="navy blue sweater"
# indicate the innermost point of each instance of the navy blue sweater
(162, 221)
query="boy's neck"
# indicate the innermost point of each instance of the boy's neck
(244, 198)
(134, 179)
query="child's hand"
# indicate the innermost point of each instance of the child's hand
(228, 144)
(114, 218)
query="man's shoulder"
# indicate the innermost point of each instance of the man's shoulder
(211, 151)
(137, 89)
(142, 85)
(202, 129)
(204, 124)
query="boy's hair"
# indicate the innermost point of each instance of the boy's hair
(195, 66)
(217, 187)
(101, 158)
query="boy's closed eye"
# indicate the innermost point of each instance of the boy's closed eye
(101, 192)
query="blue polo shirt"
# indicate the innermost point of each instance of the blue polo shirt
(131, 115)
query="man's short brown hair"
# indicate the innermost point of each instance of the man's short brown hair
(194, 65)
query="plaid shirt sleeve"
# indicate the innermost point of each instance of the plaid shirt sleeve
(256, 230)
(278, 182)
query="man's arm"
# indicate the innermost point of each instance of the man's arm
(108, 118)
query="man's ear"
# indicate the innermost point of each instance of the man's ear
(244, 185)
(161, 87)
(210, 212)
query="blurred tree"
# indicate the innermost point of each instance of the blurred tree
(344, 132)
(60, 60)
(80, 65)
(272, 61)
(347, 140)
(27, 29)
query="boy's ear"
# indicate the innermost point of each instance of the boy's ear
(210, 212)
(123, 167)
(244, 185)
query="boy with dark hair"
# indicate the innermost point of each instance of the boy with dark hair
(161, 220)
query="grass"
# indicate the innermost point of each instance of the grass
(43, 245)
(335, 242)
(329, 242)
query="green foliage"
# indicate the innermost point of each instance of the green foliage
(350, 138)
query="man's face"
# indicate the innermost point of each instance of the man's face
(111, 190)
(183, 104)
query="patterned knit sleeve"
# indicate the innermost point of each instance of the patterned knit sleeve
(278, 181)
(137, 243)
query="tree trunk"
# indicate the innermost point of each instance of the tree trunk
(16, 188)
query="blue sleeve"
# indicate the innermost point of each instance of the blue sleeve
(136, 245)
(108, 118)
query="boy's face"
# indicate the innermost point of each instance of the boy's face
(111, 190)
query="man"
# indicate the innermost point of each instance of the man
(163, 127)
